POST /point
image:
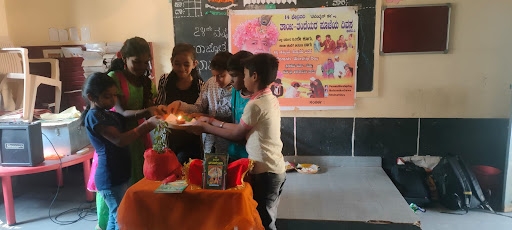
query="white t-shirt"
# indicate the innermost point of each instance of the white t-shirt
(262, 116)
(339, 66)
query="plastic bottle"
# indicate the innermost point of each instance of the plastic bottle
(415, 208)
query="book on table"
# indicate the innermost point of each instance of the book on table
(214, 171)
(172, 187)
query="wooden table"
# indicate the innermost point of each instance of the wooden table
(141, 208)
(48, 165)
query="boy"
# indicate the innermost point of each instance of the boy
(261, 124)
(239, 98)
(318, 44)
(329, 45)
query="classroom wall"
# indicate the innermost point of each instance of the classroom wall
(3, 20)
(108, 21)
(471, 81)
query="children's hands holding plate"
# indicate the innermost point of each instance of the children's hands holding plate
(174, 107)
(179, 121)
(198, 126)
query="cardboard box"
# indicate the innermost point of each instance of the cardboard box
(67, 136)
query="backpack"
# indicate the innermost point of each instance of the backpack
(457, 186)
(411, 181)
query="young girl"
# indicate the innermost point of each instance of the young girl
(130, 73)
(106, 131)
(214, 100)
(136, 93)
(182, 84)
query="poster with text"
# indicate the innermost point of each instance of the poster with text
(316, 48)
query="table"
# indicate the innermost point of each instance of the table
(48, 165)
(199, 209)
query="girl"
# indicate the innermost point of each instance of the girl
(349, 71)
(341, 44)
(317, 88)
(130, 73)
(182, 84)
(106, 131)
(136, 93)
(214, 100)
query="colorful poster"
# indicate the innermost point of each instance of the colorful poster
(316, 48)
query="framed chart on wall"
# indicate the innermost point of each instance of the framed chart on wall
(415, 29)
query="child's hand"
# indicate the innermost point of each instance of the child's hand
(203, 119)
(163, 108)
(197, 115)
(153, 121)
(174, 107)
(197, 127)
(156, 111)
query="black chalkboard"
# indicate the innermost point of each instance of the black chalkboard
(204, 23)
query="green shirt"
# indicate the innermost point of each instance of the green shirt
(238, 102)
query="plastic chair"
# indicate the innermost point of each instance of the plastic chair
(14, 67)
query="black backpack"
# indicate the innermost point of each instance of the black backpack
(411, 181)
(457, 186)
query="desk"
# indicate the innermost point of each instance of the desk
(199, 209)
(48, 165)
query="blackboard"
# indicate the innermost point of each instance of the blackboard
(204, 23)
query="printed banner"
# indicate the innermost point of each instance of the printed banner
(247, 2)
(316, 48)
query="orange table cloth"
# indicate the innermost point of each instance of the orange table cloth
(196, 209)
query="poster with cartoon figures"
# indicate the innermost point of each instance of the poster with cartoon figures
(316, 48)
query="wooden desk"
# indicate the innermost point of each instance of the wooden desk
(48, 165)
(199, 209)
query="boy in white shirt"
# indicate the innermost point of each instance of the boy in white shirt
(261, 124)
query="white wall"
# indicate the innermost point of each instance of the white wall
(471, 81)
(3, 20)
(108, 21)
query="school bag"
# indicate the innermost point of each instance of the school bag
(411, 181)
(457, 186)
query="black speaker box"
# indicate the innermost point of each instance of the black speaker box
(22, 144)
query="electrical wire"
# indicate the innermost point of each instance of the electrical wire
(82, 213)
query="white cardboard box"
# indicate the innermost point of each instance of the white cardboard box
(67, 136)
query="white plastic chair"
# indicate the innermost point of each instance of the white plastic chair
(14, 67)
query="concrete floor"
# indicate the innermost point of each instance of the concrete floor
(434, 219)
(34, 194)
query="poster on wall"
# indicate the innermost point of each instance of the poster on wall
(316, 48)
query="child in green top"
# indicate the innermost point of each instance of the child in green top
(239, 98)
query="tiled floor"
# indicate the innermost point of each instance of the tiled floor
(34, 193)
